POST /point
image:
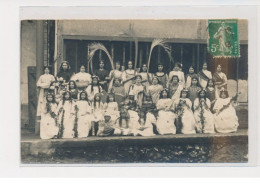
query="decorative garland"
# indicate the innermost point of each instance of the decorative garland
(202, 118)
(61, 128)
(180, 111)
(75, 128)
(52, 114)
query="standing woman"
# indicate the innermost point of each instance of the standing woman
(155, 89)
(226, 120)
(220, 79)
(49, 127)
(84, 115)
(146, 77)
(162, 76)
(175, 88)
(66, 116)
(177, 71)
(204, 75)
(203, 116)
(43, 85)
(128, 76)
(138, 90)
(102, 74)
(65, 73)
(211, 92)
(82, 79)
(116, 73)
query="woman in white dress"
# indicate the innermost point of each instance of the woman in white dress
(177, 71)
(155, 89)
(111, 107)
(93, 88)
(166, 117)
(226, 120)
(116, 73)
(183, 109)
(138, 90)
(82, 79)
(84, 115)
(49, 128)
(204, 75)
(146, 77)
(66, 116)
(128, 76)
(203, 116)
(43, 85)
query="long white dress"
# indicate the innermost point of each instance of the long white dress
(82, 79)
(111, 109)
(43, 84)
(226, 121)
(67, 117)
(84, 118)
(187, 117)
(180, 75)
(205, 118)
(48, 127)
(98, 111)
(204, 81)
(147, 128)
(91, 94)
(112, 75)
(127, 78)
(154, 91)
(166, 118)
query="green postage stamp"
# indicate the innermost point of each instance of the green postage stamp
(223, 38)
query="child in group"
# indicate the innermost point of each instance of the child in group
(137, 90)
(83, 115)
(212, 93)
(183, 109)
(162, 76)
(66, 116)
(97, 113)
(194, 89)
(189, 76)
(155, 89)
(94, 88)
(111, 107)
(226, 120)
(49, 128)
(166, 118)
(146, 77)
(177, 71)
(122, 123)
(203, 116)
(204, 75)
(119, 91)
(73, 90)
(175, 88)
(106, 127)
(116, 73)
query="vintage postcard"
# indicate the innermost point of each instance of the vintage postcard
(134, 91)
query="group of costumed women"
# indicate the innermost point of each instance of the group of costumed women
(131, 102)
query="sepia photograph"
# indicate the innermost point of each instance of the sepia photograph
(134, 91)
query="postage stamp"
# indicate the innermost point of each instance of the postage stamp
(223, 40)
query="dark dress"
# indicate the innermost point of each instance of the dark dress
(66, 75)
(102, 74)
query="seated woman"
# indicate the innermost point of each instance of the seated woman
(194, 89)
(94, 88)
(162, 76)
(137, 90)
(49, 128)
(204, 75)
(183, 109)
(166, 117)
(177, 70)
(203, 116)
(73, 90)
(175, 88)
(155, 89)
(82, 79)
(226, 120)
(189, 76)
(84, 115)
(212, 93)
(111, 107)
